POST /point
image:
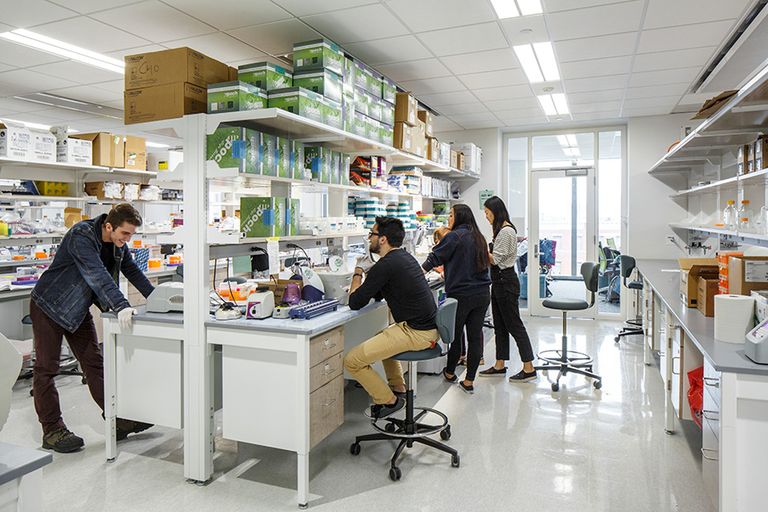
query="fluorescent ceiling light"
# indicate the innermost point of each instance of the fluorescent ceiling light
(530, 65)
(62, 49)
(547, 104)
(505, 8)
(556, 105)
(528, 7)
(151, 144)
(546, 56)
(538, 61)
(561, 104)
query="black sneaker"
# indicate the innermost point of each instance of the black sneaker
(493, 372)
(379, 411)
(523, 376)
(125, 427)
(447, 378)
(466, 389)
(62, 441)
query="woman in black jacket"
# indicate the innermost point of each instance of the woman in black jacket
(464, 254)
(505, 295)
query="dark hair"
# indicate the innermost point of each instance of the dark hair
(121, 213)
(500, 214)
(391, 228)
(462, 216)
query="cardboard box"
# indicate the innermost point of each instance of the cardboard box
(235, 97)
(15, 141)
(226, 148)
(178, 65)
(292, 216)
(744, 159)
(454, 159)
(445, 154)
(43, 147)
(406, 108)
(472, 157)
(712, 105)
(262, 216)
(747, 273)
(72, 216)
(387, 113)
(104, 189)
(722, 262)
(253, 151)
(135, 153)
(690, 271)
(232, 74)
(279, 287)
(164, 102)
(108, 149)
(433, 149)
(321, 81)
(461, 161)
(705, 297)
(426, 117)
(349, 76)
(760, 154)
(74, 151)
(318, 54)
(265, 76)
(419, 141)
(386, 134)
(299, 101)
(403, 137)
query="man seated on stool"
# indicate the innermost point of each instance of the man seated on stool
(397, 277)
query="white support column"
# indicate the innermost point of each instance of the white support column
(669, 410)
(198, 388)
(303, 420)
(110, 391)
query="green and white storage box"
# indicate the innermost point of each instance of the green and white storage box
(284, 160)
(298, 167)
(253, 160)
(262, 216)
(265, 75)
(299, 101)
(234, 97)
(318, 160)
(332, 113)
(227, 148)
(388, 90)
(318, 54)
(268, 155)
(321, 81)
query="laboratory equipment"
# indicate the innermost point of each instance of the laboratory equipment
(292, 294)
(228, 311)
(756, 346)
(336, 285)
(166, 297)
(314, 309)
(261, 304)
(283, 311)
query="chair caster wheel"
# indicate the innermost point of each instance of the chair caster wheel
(354, 449)
(598, 384)
(455, 461)
(395, 474)
(616, 339)
(446, 434)
(390, 427)
(555, 386)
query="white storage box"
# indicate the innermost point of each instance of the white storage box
(472, 157)
(15, 141)
(74, 151)
(43, 147)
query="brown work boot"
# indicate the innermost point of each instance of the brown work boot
(124, 427)
(62, 441)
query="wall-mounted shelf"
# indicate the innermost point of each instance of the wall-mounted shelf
(26, 240)
(710, 187)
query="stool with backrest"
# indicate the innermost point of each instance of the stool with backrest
(565, 360)
(410, 430)
(635, 325)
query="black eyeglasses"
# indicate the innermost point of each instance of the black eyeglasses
(371, 233)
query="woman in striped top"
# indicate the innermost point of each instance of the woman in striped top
(505, 295)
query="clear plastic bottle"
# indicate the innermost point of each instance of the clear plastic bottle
(729, 215)
(744, 216)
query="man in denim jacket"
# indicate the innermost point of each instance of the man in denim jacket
(84, 272)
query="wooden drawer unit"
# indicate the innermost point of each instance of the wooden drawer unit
(325, 345)
(712, 381)
(325, 371)
(326, 410)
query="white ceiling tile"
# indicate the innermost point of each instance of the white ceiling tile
(512, 104)
(447, 98)
(119, 54)
(11, 104)
(89, 93)
(154, 21)
(656, 90)
(433, 85)
(479, 62)
(6, 67)
(596, 84)
(575, 98)
(89, 6)
(305, 8)
(595, 21)
(645, 111)
(63, 114)
(479, 125)
(91, 34)
(596, 47)
(76, 72)
(658, 101)
(597, 116)
(661, 77)
(688, 36)
(229, 14)
(462, 108)
(34, 117)
(695, 99)
(525, 29)
(503, 93)
(219, 46)
(473, 38)
(22, 81)
(358, 24)
(114, 86)
(32, 12)
(672, 59)
(526, 121)
(511, 115)
(443, 124)
(596, 67)
(602, 106)
(20, 56)
(494, 79)
(276, 38)
(425, 15)
(568, 5)
(385, 51)
(473, 116)
(414, 70)
(662, 13)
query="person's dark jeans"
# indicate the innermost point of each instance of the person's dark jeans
(470, 314)
(505, 307)
(47, 342)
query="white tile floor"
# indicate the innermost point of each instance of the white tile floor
(522, 448)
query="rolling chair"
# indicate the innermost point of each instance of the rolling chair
(570, 361)
(409, 430)
(635, 325)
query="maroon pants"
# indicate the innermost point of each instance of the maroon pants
(85, 347)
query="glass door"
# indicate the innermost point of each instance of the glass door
(562, 219)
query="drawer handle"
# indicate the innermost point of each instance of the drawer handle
(328, 404)
(704, 413)
(704, 454)
(328, 369)
(327, 345)
(715, 383)
(673, 365)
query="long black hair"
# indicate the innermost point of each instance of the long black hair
(500, 214)
(462, 216)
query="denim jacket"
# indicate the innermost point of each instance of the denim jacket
(77, 277)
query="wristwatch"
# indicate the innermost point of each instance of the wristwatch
(357, 274)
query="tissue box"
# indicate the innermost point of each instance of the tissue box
(262, 216)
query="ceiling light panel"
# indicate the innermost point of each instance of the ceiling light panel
(528, 61)
(548, 105)
(546, 56)
(561, 104)
(529, 7)
(505, 8)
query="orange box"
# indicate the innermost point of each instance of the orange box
(722, 262)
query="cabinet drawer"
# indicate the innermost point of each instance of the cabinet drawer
(324, 372)
(712, 381)
(326, 345)
(710, 463)
(326, 410)
(711, 414)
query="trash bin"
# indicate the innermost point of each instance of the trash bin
(696, 393)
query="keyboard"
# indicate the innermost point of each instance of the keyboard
(315, 309)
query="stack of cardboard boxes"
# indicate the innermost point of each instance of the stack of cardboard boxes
(752, 157)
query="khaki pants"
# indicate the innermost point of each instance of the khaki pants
(393, 340)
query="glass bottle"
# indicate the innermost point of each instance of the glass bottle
(729, 215)
(744, 216)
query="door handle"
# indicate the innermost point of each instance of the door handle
(704, 454)
(712, 382)
(673, 365)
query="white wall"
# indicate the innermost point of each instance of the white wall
(491, 173)
(650, 209)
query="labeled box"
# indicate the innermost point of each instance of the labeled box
(268, 155)
(292, 216)
(178, 65)
(262, 216)
(426, 117)
(167, 101)
(284, 160)
(461, 162)
(387, 113)
(744, 159)
(445, 154)
(433, 149)
(375, 107)
(386, 134)
(232, 74)
(317, 160)
(318, 54)
(15, 141)
(403, 137)
(253, 151)
(332, 113)
(265, 76)
(74, 151)
(135, 153)
(108, 149)
(298, 166)
(227, 148)
(321, 81)
(723, 259)
(419, 142)
(691, 269)
(43, 147)
(104, 189)
(235, 97)
(298, 101)
(454, 159)
(406, 108)
(349, 75)
(747, 274)
(388, 90)
(705, 298)
(760, 154)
